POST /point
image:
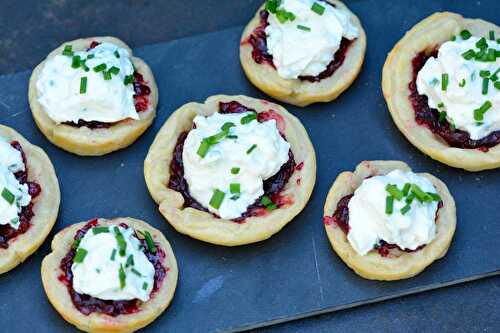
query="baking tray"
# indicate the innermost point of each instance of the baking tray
(295, 273)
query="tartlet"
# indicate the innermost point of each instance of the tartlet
(84, 140)
(399, 264)
(58, 292)
(45, 205)
(205, 226)
(397, 75)
(302, 92)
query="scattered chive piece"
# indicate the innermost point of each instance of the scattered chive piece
(149, 241)
(444, 81)
(90, 56)
(272, 5)
(136, 272)
(203, 149)
(114, 70)
(232, 137)
(389, 205)
(75, 61)
(130, 261)
(217, 198)
(117, 54)
(453, 38)
(419, 194)
(83, 85)
(434, 82)
(251, 149)
(128, 79)
(479, 113)
(248, 118)
(317, 8)
(303, 27)
(406, 189)
(409, 199)
(482, 44)
(441, 105)
(283, 15)
(99, 68)
(268, 203)
(80, 255)
(465, 34)
(394, 191)
(468, 55)
(107, 75)
(15, 221)
(122, 276)
(462, 83)
(486, 82)
(8, 196)
(227, 126)
(76, 243)
(234, 188)
(405, 209)
(434, 196)
(122, 245)
(235, 170)
(442, 117)
(484, 73)
(494, 77)
(492, 35)
(100, 230)
(113, 255)
(492, 57)
(497, 85)
(68, 50)
(145, 286)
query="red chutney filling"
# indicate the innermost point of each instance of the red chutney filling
(141, 99)
(428, 117)
(341, 219)
(272, 186)
(6, 231)
(258, 40)
(87, 304)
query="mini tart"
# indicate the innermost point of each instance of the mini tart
(373, 266)
(45, 205)
(98, 141)
(205, 226)
(59, 297)
(298, 92)
(398, 73)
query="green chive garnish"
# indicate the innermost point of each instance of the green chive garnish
(419, 194)
(128, 79)
(317, 8)
(251, 149)
(497, 85)
(465, 34)
(122, 245)
(479, 113)
(83, 85)
(90, 56)
(114, 70)
(268, 203)
(145, 286)
(217, 198)
(492, 55)
(440, 105)
(486, 83)
(492, 35)
(227, 126)
(113, 255)
(122, 277)
(80, 255)
(203, 149)
(232, 137)
(406, 189)
(149, 241)
(15, 221)
(68, 50)
(462, 83)
(303, 27)
(389, 205)
(235, 170)
(75, 61)
(99, 230)
(234, 188)
(130, 261)
(405, 209)
(468, 55)
(394, 191)
(442, 117)
(434, 196)
(136, 272)
(76, 243)
(99, 68)
(482, 44)
(117, 54)
(444, 81)
(107, 75)
(8, 196)
(248, 118)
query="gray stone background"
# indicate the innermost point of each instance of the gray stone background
(29, 29)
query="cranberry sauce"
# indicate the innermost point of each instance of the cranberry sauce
(141, 99)
(258, 40)
(6, 231)
(341, 218)
(272, 186)
(428, 117)
(87, 304)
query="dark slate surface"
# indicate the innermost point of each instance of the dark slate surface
(213, 279)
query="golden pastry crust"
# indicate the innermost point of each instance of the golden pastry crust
(83, 140)
(397, 266)
(45, 208)
(297, 92)
(204, 226)
(398, 73)
(59, 297)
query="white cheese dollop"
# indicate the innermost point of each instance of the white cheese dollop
(297, 52)
(104, 100)
(11, 162)
(205, 175)
(98, 274)
(459, 102)
(369, 223)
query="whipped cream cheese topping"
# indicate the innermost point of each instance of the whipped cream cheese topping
(110, 264)
(306, 42)
(463, 88)
(91, 85)
(227, 176)
(14, 195)
(408, 228)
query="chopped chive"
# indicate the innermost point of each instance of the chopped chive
(497, 85)
(149, 241)
(107, 75)
(99, 68)
(394, 191)
(389, 205)
(136, 272)
(468, 55)
(479, 112)
(227, 126)
(80, 255)
(419, 194)
(441, 105)
(462, 83)
(203, 149)
(76, 243)
(90, 56)
(465, 34)
(114, 70)
(145, 286)
(75, 61)
(444, 81)
(251, 149)
(99, 230)
(113, 255)
(15, 221)
(122, 277)
(68, 50)
(482, 44)
(217, 198)
(234, 188)
(405, 209)
(268, 203)
(83, 85)
(128, 79)
(486, 83)
(317, 8)
(492, 35)
(484, 73)
(409, 199)
(442, 117)
(303, 27)
(8, 196)
(232, 137)
(494, 77)
(130, 261)
(491, 56)
(272, 5)
(453, 38)
(122, 245)
(434, 196)
(117, 54)
(248, 118)
(235, 170)
(283, 15)
(434, 82)
(406, 189)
